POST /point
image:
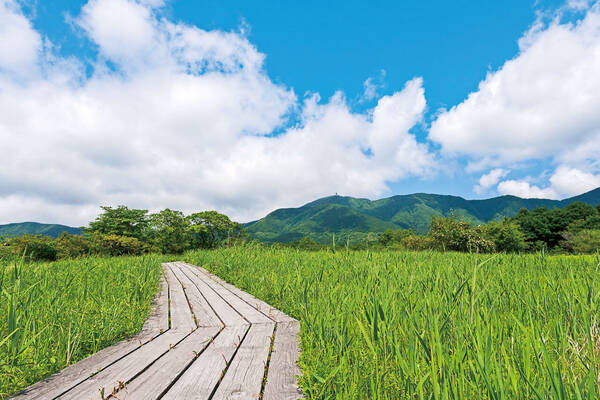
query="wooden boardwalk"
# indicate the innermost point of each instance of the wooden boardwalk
(205, 339)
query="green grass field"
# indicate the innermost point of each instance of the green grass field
(54, 314)
(376, 325)
(396, 325)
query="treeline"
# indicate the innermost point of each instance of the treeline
(124, 231)
(573, 229)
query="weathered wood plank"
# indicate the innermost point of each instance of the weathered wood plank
(248, 312)
(226, 313)
(204, 314)
(245, 373)
(58, 383)
(200, 379)
(154, 381)
(181, 314)
(116, 375)
(283, 372)
(271, 312)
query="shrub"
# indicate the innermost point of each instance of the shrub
(449, 233)
(418, 242)
(506, 236)
(585, 241)
(35, 247)
(115, 245)
(391, 236)
(72, 246)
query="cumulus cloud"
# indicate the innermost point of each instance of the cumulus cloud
(541, 105)
(176, 116)
(564, 182)
(20, 45)
(490, 179)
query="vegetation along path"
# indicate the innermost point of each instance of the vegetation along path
(205, 340)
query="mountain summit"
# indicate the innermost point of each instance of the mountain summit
(350, 217)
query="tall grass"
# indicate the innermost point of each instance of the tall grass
(402, 325)
(54, 314)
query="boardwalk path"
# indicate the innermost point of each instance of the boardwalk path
(206, 339)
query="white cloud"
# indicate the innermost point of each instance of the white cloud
(490, 179)
(564, 182)
(20, 44)
(542, 104)
(184, 118)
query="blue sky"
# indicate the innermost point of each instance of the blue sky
(214, 104)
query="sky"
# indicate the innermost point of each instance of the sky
(245, 107)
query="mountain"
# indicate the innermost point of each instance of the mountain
(34, 228)
(352, 218)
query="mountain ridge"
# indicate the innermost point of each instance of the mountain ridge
(352, 218)
(36, 228)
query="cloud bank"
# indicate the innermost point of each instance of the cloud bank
(542, 104)
(175, 116)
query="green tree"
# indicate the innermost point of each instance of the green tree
(506, 235)
(449, 233)
(394, 236)
(209, 228)
(116, 245)
(120, 221)
(169, 231)
(36, 247)
(584, 241)
(72, 246)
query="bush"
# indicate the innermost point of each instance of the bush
(452, 234)
(394, 236)
(418, 242)
(506, 236)
(35, 247)
(115, 245)
(585, 241)
(72, 246)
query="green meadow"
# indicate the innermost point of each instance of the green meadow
(374, 325)
(431, 325)
(55, 314)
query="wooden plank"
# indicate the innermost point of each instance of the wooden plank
(243, 379)
(201, 378)
(226, 313)
(248, 312)
(124, 370)
(283, 372)
(181, 314)
(58, 383)
(271, 312)
(154, 381)
(204, 314)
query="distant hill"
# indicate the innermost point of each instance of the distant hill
(352, 218)
(34, 228)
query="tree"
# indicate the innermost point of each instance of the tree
(121, 221)
(72, 246)
(452, 234)
(169, 231)
(36, 247)
(506, 235)
(208, 228)
(394, 236)
(584, 241)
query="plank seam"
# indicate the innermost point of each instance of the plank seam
(214, 391)
(187, 299)
(130, 352)
(202, 294)
(200, 269)
(264, 380)
(218, 294)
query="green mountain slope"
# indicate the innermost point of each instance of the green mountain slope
(352, 218)
(34, 228)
